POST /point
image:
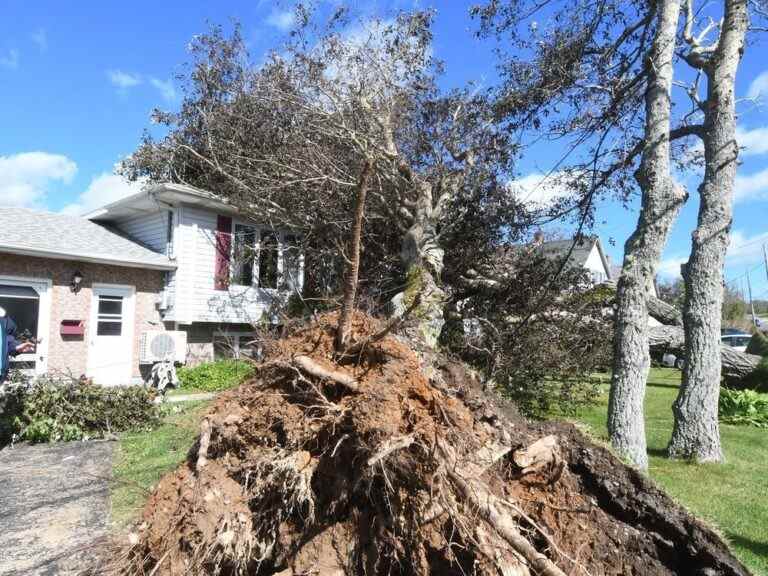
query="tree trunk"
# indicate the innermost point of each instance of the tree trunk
(663, 312)
(344, 331)
(735, 366)
(422, 258)
(696, 432)
(661, 202)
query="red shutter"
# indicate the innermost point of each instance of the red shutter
(223, 247)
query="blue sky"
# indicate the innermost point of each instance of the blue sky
(78, 81)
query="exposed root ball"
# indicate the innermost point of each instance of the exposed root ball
(370, 467)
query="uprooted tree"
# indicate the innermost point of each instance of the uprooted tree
(290, 141)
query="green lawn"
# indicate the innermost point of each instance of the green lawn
(733, 496)
(143, 457)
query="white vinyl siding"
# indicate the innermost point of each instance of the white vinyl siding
(148, 229)
(594, 264)
(196, 298)
(190, 293)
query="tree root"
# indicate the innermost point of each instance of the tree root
(205, 440)
(306, 364)
(489, 507)
(390, 446)
(393, 324)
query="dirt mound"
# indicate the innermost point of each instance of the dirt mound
(378, 465)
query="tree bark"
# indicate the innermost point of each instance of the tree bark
(662, 199)
(344, 331)
(663, 312)
(422, 258)
(696, 432)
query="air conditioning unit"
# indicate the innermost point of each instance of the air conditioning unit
(159, 345)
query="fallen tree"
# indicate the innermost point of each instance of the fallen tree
(415, 472)
(736, 365)
(669, 337)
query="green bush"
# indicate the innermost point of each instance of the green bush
(215, 376)
(758, 344)
(745, 407)
(51, 411)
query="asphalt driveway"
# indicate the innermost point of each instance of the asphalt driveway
(54, 506)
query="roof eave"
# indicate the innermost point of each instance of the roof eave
(165, 192)
(90, 258)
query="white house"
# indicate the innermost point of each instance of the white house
(229, 271)
(171, 257)
(588, 254)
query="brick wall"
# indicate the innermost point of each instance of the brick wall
(69, 354)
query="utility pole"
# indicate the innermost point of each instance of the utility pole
(765, 256)
(751, 304)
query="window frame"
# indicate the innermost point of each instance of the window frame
(281, 243)
(44, 289)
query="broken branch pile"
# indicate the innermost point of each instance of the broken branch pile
(333, 468)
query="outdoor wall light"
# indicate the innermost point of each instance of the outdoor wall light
(77, 281)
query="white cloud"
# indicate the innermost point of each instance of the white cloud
(123, 80)
(25, 178)
(103, 189)
(753, 141)
(751, 187)
(670, 267)
(10, 59)
(282, 19)
(40, 38)
(758, 88)
(165, 87)
(539, 189)
(745, 249)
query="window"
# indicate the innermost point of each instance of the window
(291, 263)
(268, 257)
(169, 235)
(109, 321)
(236, 345)
(243, 249)
(262, 258)
(22, 304)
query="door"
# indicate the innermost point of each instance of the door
(27, 302)
(110, 354)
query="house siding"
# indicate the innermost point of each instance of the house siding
(69, 355)
(595, 265)
(151, 230)
(196, 299)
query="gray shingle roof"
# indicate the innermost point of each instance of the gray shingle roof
(559, 248)
(24, 231)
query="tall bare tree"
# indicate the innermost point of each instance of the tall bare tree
(696, 432)
(661, 201)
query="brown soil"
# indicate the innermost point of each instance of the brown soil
(307, 477)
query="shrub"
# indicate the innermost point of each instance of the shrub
(745, 407)
(215, 376)
(758, 344)
(50, 411)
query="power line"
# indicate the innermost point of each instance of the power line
(741, 276)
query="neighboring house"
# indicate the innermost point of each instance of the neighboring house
(587, 253)
(228, 270)
(84, 291)
(169, 258)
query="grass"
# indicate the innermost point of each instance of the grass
(144, 457)
(730, 496)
